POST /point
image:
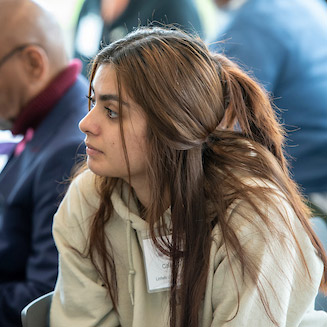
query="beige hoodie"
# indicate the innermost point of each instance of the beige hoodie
(80, 300)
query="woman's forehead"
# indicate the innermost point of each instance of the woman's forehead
(105, 87)
(105, 77)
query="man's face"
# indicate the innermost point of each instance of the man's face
(13, 84)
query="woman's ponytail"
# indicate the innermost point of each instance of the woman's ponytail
(248, 109)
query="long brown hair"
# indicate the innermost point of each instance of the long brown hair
(208, 124)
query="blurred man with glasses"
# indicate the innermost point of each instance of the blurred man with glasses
(42, 98)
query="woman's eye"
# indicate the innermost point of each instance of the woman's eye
(111, 114)
(92, 101)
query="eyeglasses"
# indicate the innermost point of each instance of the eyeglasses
(13, 51)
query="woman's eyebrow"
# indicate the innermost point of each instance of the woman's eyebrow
(110, 97)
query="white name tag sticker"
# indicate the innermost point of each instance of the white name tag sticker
(157, 267)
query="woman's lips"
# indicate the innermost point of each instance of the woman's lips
(91, 150)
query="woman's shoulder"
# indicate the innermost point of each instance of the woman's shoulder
(81, 195)
(83, 184)
(264, 219)
(266, 210)
(84, 180)
(78, 206)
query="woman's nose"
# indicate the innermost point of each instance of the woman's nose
(88, 124)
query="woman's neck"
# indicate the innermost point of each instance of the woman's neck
(142, 191)
(143, 195)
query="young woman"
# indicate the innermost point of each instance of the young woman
(186, 215)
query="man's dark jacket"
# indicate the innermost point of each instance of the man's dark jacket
(31, 186)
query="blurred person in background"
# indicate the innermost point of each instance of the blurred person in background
(104, 21)
(42, 96)
(7, 144)
(284, 45)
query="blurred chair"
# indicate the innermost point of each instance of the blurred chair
(320, 228)
(36, 313)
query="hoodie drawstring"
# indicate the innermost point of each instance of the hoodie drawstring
(131, 271)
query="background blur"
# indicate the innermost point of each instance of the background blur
(66, 11)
